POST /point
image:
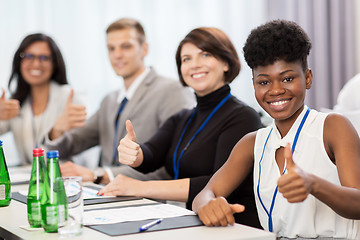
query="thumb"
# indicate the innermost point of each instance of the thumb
(130, 131)
(3, 94)
(288, 157)
(70, 98)
(237, 208)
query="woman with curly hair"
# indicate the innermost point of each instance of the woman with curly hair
(306, 164)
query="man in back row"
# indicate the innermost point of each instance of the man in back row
(148, 100)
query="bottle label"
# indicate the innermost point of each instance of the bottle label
(2, 192)
(51, 216)
(61, 214)
(36, 211)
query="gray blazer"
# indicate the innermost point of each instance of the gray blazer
(155, 100)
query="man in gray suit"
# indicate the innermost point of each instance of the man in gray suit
(148, 101)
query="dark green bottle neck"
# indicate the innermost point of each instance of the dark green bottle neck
(2, 159)
(4, 173)
(53, 167)
(53, 161)
(38, 159)
(38, 169)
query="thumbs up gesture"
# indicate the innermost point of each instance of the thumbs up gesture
(73, 116)
(9, 108)
(296, 184)
(130, 152)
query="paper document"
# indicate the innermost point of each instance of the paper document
(88, 193)
(125, 214)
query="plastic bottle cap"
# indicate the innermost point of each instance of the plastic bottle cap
(1, 143)
(37, 152)
(52, 154)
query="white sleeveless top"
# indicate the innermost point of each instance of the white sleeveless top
(310, 218)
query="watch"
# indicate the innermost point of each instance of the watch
(98, 175)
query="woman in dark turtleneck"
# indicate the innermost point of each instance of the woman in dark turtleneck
(194, 143)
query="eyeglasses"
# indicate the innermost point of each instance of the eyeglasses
(31, 57)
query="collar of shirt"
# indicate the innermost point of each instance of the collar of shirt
(277, 141)
(130, 92)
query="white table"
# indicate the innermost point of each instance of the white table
(15, 215)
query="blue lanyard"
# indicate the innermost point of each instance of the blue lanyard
(269, 213)
(176, 161)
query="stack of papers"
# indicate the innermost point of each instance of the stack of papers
(138, 213)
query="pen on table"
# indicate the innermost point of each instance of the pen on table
(150, 224)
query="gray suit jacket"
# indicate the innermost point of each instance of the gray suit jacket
(155, 100)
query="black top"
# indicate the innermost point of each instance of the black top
(209, 150)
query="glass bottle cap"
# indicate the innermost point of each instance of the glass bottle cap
(38, 152)
(52, 154)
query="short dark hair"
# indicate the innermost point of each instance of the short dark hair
(125, 23)
(277, 40)
(59, 72)
(216, 42)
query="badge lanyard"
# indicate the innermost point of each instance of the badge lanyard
(269, 213)
(176, 161)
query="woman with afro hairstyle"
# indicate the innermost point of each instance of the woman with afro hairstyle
(306, 164)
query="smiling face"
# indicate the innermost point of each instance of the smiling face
(37, 67)
(126, 53)
(201, 70)
(280, 89)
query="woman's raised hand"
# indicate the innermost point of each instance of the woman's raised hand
(9, 108)
(73, 116)
(130, 152)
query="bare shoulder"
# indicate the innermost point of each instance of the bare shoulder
(247, 140)
(244, 148)
(239, 163)
(250, 138)
(337, 125)
(340, 137)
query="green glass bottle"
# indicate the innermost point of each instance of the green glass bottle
(5, 185)
(36, 188)
(53, 201)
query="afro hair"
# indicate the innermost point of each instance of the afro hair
(277, 40)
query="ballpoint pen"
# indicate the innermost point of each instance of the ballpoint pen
(149, 225)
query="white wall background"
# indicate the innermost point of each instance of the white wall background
(78, 27)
